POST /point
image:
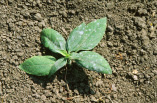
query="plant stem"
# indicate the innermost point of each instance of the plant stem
(66, 79)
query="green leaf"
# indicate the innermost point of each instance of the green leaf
(53, 40)
(58, 64)
(75, 37)
(92, 61)
(38, 65)
(94, 31)
(87, 37)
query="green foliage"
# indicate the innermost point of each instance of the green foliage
(53, 40)
(83, 37)
(58, 64)
(75, 38)
(92, 61)
(87, 37)
(38, 65)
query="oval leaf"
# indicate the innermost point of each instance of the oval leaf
(53, 40)
(94, 31)
(92, 61)
(58, 64)
(75, 37)
(38, 65)
(89, 36)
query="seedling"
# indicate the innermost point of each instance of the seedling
(82, 38)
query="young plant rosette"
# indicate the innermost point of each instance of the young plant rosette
(82, 38)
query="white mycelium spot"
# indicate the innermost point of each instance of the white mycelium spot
(101, 60)
(94, 65)
(97, 23)
(81, 54)
(61, 45)
(80, 26)
(57, 38)
(81, 32)
(72, 37)
(87, 66)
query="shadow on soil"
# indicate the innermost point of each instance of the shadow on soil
(74, 76)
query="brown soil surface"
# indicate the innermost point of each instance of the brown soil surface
(130, 46)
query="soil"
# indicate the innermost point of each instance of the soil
(130, 47)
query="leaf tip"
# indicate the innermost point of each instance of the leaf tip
(110, 72)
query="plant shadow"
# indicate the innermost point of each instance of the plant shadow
(76, 78)
(41, 80)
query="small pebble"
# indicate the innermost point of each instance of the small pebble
(109, 44)
(110, 28)
(43, 97)
(93, 99)
(38, 16)
(114, 88)
(142, 11)
(41, 24)
(135, 77)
